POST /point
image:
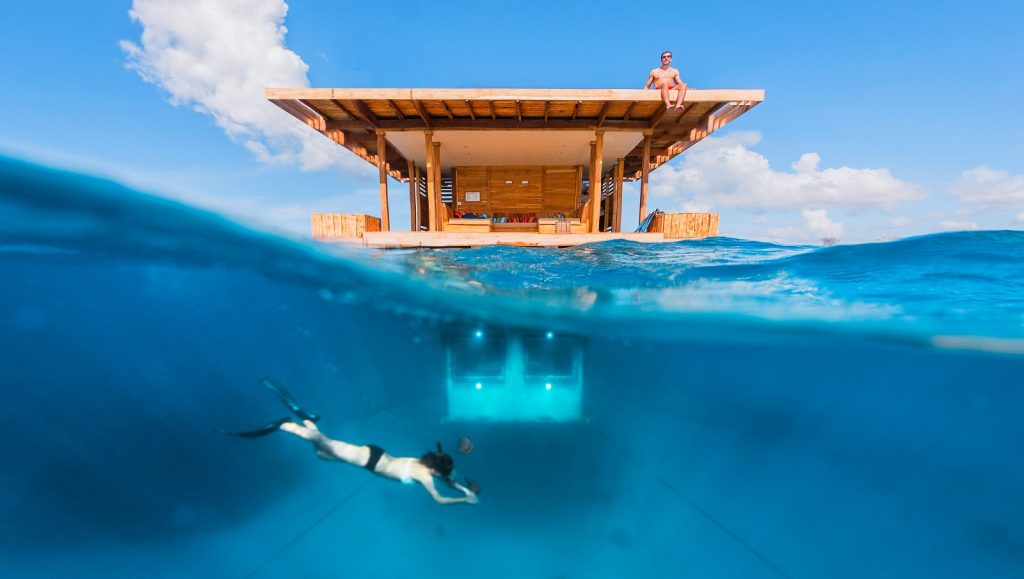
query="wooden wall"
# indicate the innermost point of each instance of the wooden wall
(685, 225)
(532, 189)
(342, 225)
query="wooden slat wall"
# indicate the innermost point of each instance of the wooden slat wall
(685, 225)
(517, 189)
(561, 189)
(472, 179)
(549, 190)
(342, 225)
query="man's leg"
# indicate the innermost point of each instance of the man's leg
(665, 96)
(682, 94)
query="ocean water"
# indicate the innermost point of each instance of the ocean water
(744, 409)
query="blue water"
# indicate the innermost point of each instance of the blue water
(748, 409)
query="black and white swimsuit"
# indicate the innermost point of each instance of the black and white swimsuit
(375, 453)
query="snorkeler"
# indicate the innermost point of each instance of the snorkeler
(371, 457)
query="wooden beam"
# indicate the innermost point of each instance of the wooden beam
(619, 171)
(575, 109)
(629, 111)
(469, 105)
(382, 169)
(682, 113)
(547, 108)
(299, 112)
(364, 112)
(354, 122)
(656, 118)
(645, 171)
(604, 113)
(519, 112)
(485, 124)
(437, 184)
(319, 118)
(431, 208)
(395, 109)
(595, 218)
(412, 195)
(494, 116)
(596, 95)
(422, 113)
(417, 219)
(447, 110)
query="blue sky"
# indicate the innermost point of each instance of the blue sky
(882, 119)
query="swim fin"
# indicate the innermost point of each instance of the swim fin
(262, 431)
(289, 400)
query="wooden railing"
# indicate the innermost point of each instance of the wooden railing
(685, 225)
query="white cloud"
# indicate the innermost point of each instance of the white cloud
(902, 221)
(819, 224)
(1020, 217)
(952, 225)
(985, 189)
(724, 172)
(217, 56)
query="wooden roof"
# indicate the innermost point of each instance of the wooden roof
(351, 117)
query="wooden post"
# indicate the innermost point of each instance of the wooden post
(645, 171)
(608, 205)
(437, 185)
(382, 169)
(419, 208)
(431, 208)
(412, 196)
(590, 188)
(619, 173)
(595, 224)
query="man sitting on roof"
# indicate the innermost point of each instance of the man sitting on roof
(666, 78)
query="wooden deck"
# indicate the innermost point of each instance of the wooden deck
(425, 239)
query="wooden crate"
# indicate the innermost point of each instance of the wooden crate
(685, 225)
(343, 225)
(547, 225)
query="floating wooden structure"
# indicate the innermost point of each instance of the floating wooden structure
(545, 167)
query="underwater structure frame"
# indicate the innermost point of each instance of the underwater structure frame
(510, 375)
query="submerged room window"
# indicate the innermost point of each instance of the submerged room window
(476, 353)
(551, 355)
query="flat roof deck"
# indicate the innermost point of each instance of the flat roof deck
(352, 117)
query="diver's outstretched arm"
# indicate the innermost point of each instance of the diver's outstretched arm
(470, 497)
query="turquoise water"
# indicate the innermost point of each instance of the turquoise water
(747, 409)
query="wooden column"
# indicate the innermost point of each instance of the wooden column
(619, 173)
(412, 195)
(590, 188)
(645, 171)
(439, 208)
(596, 170)
(431, 208)
(382, 169)
(419, 208)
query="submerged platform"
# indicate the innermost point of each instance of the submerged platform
(428, 239)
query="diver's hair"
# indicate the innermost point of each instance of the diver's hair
(439, 461)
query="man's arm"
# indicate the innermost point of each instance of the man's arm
(650, 79)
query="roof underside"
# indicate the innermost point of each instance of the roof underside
(523, 126)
